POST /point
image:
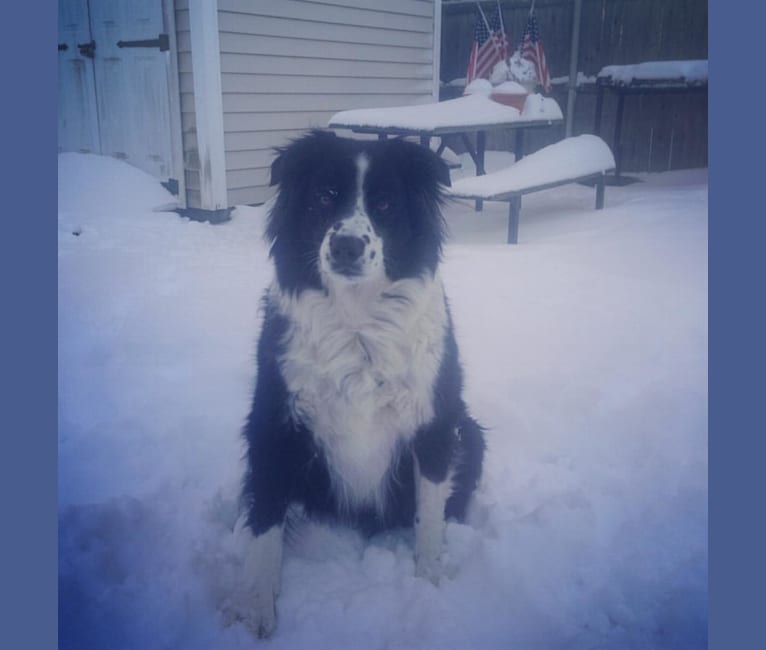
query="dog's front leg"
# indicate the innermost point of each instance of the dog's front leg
(253, 602)
(430, 499)
(259, 532)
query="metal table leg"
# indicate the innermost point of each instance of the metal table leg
(599, 110)
(617, 133)
(481, 146)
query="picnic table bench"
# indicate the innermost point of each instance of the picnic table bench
(572, 160)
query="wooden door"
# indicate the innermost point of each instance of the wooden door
(131, 71)
(114, 97)
(77, 113)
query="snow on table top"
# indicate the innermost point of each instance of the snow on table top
(570, 158)
(479, 87)
(691, 71)
(469, 111)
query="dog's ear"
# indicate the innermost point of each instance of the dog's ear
(295, 151)
(277, 167)
(423, 165)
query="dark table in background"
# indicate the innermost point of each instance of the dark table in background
(642, 86)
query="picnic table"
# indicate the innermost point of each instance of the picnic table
(461, 116)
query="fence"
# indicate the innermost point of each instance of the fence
(659, 132)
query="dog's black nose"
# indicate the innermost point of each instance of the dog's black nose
(346, 249)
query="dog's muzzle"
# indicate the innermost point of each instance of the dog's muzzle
(346, 254)
(351, 251)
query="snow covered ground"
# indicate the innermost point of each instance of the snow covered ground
(586, 355)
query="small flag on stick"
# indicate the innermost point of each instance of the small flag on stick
(490, 45)
(532, 50)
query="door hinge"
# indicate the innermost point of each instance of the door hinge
(162, 42)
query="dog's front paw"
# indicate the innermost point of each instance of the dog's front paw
(256, 611)
(430, 567)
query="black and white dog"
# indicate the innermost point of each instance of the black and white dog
(358, 414)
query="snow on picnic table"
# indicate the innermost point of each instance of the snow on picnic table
(585, 356)
(470, 110)
(570, 158)
(694, 71)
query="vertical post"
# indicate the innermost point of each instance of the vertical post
(481, 146)
(514, 211)
(617, 134)
(573, 57)
(208, 103)
(425, 141)
(437, 48)
(600, 192)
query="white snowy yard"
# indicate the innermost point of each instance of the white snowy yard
(585, 350)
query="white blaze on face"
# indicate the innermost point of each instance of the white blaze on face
(357, 225)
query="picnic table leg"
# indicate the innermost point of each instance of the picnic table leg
(600, 192)
(513, 220)
(469, 148)
(481, 146)
(518, 146)
(617, 132)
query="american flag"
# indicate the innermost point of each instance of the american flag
(490, 45)
(532, 50)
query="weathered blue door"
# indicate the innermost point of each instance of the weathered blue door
(113, 93)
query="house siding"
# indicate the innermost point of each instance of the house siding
(289, 66)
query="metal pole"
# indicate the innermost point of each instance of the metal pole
(573, 56)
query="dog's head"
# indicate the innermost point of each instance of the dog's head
(349, 211)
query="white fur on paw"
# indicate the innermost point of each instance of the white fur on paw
(429, 567)
(257, 612)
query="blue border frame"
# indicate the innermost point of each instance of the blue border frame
(737, 326)
(737, 239)
(28, 557)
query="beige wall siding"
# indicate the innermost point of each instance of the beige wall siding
(288, 66)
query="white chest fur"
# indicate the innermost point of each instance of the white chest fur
(360, 365)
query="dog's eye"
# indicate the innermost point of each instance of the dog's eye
(327, 197)
(382, 205)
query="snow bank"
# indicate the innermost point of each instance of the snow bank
(95, 184)
(585, 357)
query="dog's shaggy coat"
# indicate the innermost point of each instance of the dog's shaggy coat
(358, 413)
